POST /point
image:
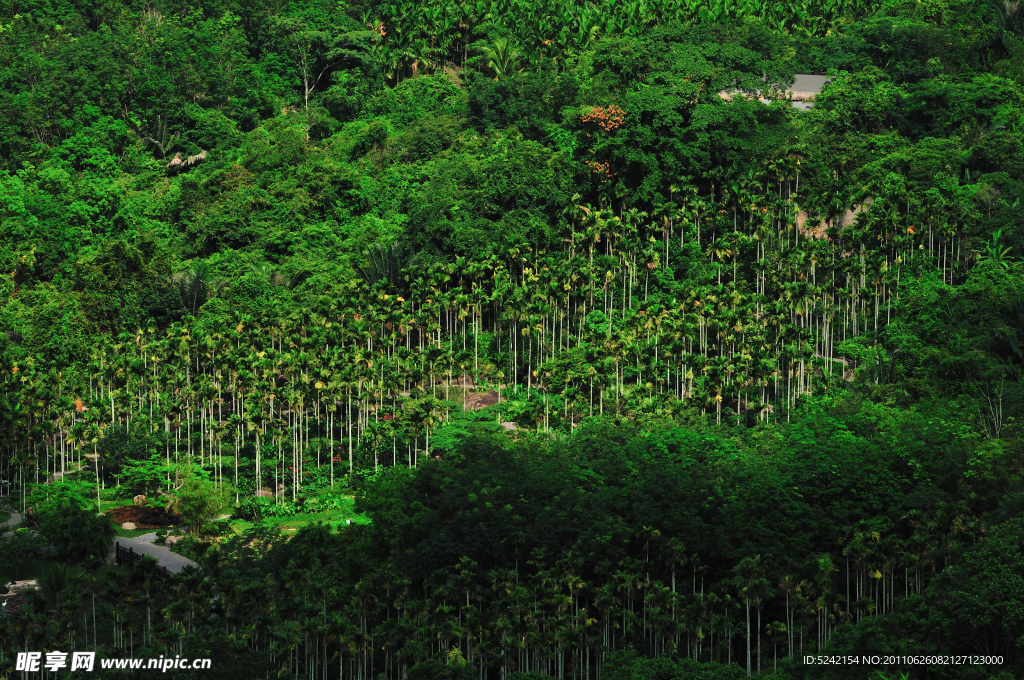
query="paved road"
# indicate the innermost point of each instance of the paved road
(143, 544)
(14, 520)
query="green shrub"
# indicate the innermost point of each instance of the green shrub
(74, 531)
(255, 509)
(199, 502)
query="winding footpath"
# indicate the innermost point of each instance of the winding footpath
(140, 544)
(13, 521)
(144, 545)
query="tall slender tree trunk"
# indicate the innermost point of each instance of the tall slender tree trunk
(748, 640)
(759, 640)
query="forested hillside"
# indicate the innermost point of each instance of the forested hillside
(633, 369)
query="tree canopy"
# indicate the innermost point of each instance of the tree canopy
(628, 367)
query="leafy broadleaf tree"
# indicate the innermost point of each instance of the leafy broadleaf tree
(199, 502)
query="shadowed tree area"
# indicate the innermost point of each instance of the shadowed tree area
(513, 340)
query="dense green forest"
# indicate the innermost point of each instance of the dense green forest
(633, 369)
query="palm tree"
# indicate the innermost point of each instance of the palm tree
(157, 135)
(747, 577)
(195, 286)
(759, 593)
(790, 586)
(503, 57)
(826, 567)
(774, 630)
(995, 252)
(385, 263)
(53, 582)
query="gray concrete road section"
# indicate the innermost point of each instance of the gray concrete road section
(13, 521)
(173, 561)
(141, 544)
(808, 84)
(801, 94)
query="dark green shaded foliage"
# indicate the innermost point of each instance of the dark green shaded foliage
(77, 533)
(558, 203)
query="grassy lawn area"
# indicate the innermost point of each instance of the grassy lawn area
(288, 525)
(4, 516)
(107, 506)
(334, 518)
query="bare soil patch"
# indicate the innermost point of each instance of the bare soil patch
(143, 516)
(477, 401)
